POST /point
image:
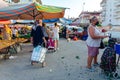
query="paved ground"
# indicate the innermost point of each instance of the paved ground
(66, 64)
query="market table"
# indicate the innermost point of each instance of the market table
(20, 40)
(6, 45)
(18, 43)
(14, 44)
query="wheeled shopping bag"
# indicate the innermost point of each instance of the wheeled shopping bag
(50, 45)
(108, 60)
(38, 55)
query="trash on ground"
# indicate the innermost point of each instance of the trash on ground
(77, 57)
(68, 74)
(12, 57)
(62, 57)
(50, 70)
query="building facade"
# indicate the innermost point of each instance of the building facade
(110, 14)
(85, 16)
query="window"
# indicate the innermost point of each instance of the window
(110, 20)
(110, 9)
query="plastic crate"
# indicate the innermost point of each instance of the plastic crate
(84, 37)
(117, 48)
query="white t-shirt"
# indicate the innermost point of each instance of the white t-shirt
(14, 31)
(55, 32)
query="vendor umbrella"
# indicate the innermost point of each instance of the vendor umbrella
(31, 11)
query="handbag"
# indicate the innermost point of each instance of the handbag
(102, 46)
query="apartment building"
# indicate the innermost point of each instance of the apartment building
(85, 16)
(110, 14)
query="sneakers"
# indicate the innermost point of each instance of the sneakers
(90, 69)
(96, 65)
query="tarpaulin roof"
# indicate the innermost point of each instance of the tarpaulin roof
(32, 21)
(31, 11)
(51, 20)
(61, 20)
(5, 21)
(22, 21)
(65, 21)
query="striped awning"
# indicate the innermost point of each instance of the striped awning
(31, 11)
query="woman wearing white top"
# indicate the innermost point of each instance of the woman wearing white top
(56, 35)
(93, 42)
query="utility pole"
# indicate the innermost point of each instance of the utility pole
(83, 6)
(83, 13)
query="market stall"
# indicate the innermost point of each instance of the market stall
(31, 11)
(5, 22)
(9, 47)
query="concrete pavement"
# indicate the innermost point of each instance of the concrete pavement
(68, 63)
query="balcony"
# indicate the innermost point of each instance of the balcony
(117, 10)
(117, 13)
(117, 3)
(102, 19)
(103, 16)
(103, 13)
(104, 8)
(117, 16)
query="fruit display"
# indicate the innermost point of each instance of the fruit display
(20, 40)
(6, 43)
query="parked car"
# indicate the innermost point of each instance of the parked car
(74, 31)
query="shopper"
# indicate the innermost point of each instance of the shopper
(37, 36)
(56, 36)
(45, 32)
(93, 42)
